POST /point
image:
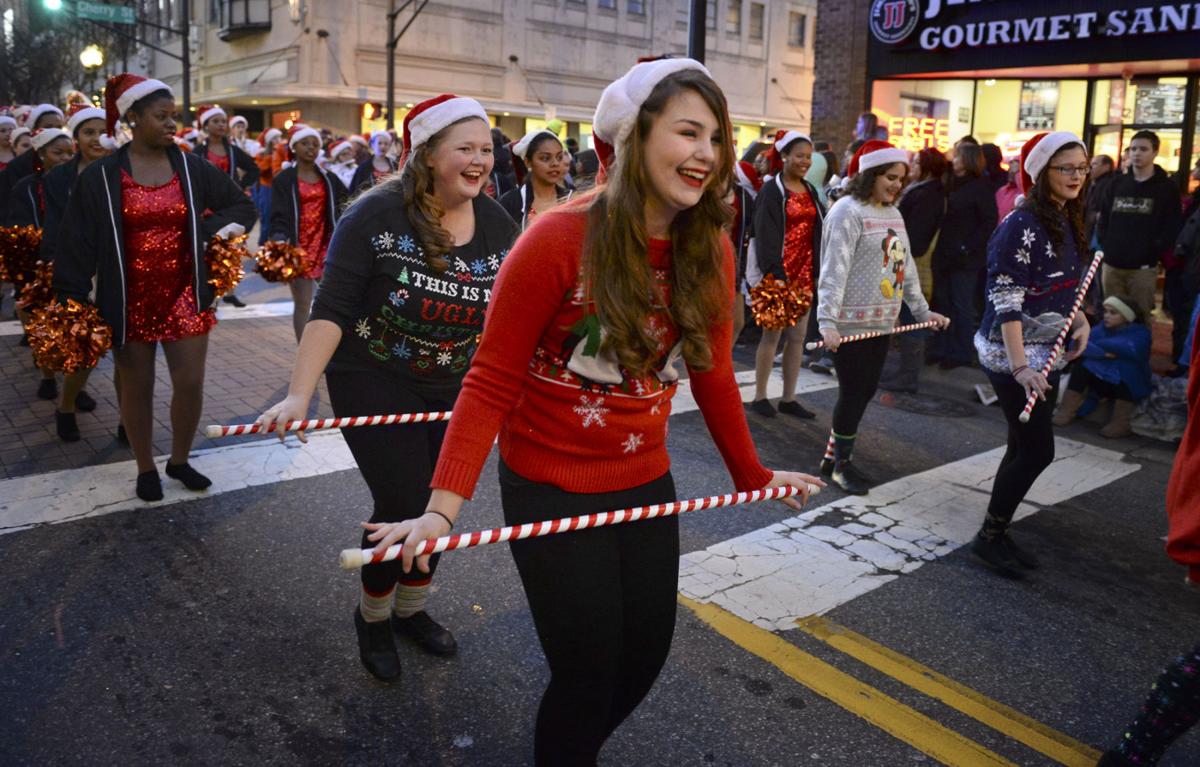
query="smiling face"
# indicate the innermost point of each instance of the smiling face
(548, 160)
(681, 154)
(460, 161)
(797, 160)
(1066, 187)
(87, 135)
(57, 152)
(889, 183)
(307, 149)
(154, 126)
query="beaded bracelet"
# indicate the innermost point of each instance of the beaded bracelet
(443, 516)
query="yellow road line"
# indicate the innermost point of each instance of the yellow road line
(999, 717)
(882, 711)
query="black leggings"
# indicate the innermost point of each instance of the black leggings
(603, 604)
(859, 365)
(1030, 448)
(1083, 380)
(396, 461)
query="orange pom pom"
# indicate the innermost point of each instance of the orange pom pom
(776, 306)
(68, 337)
(39, 291)
(18, 252)
(224, 259)
(281, 262)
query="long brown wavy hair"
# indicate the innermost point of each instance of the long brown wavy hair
(415, 185)
(617, 276)
(1049, 215)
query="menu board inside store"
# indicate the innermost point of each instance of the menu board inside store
(1160, 103)
(1039, 104)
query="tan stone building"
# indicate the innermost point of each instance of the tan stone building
(526, 60)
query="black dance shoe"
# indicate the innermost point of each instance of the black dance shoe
(796, 409)
(149, 486)
(847, 476)
(47, 389)
(993, 553)
(84, 402)
(763, 407)
(191, 479)
(233, 300)
(65, 426)
(429, 635)
(376, 648)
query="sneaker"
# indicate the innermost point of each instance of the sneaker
(65, 426)
(824, 365)
(233, 300)
(47, 389)
(1024, 557)
(763, 407)
(826, 467)
(847, 476)
(429, 635)
(84, 402)
(376, 648)
(993, 553)
(796, 409)
(149, 486)
(191, 479)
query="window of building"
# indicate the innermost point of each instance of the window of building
(797, 26)
(607, 4)
(757, 17)
(733, 17)
(637, 7)
(710, 15)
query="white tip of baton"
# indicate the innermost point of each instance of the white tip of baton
(1024, 417)
(813, 490)
(351, 559)
(212, 432)
(811, 345)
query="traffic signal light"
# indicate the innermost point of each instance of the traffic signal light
(372, 110)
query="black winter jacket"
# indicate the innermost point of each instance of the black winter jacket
(19, 168)
(57, 189)
(239, 160)
(923, 207)
(285, 205)
(25, 203)
(93, 226)
(516, 202)
(769, 219)
(971, 217)
(364, 174)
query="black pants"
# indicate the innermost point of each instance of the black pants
(859, 365)
(1082, 380)
(396, 461)
(603, 604)
(1030, 447)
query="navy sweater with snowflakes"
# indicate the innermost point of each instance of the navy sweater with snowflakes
(397, 314)
(1028, 280)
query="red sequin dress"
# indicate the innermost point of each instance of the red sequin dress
(220, 160)
(379, 175)
(314, 237)
(801, 216)
(161, 302)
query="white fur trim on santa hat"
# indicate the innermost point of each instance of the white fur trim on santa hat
(617, 111)
(880, 157)
(423, 126)
(82, 116)
(18, 133)
(1041, 153)
(357, 140)
(9, 121)
(302, 134)
(237, 119)
(271, 134)
(40, 110)
(44, 136)
(744, 180)
(337, 148)
(208, 114)
(788, 138)
(139, 90)
(521, 148)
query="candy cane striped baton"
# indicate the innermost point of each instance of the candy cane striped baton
(352, 559)
(874, 334)
(1060, 342)
(328, 423)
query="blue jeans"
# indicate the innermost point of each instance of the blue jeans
(261, 195)
(954, 296)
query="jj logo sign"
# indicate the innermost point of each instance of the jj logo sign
(892, 21)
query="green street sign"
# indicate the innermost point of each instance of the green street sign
(113, 14)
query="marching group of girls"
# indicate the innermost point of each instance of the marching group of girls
(588, 312)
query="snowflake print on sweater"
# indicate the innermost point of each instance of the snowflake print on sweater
(591, 412)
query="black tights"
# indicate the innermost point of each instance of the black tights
(603, 604)
(396, 461)
(1030, 450)
(859, 365)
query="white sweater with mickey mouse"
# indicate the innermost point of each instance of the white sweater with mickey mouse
(866, 270)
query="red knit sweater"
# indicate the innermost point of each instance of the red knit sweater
(566, 414)
(1183, 489)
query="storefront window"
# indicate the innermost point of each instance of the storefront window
(1121, 108)
(1010, 112)
(921, 113)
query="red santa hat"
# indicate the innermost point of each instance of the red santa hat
(41, 109)
(299, 132)
(122, 91)
(21, 112)
(269, 135)
(18, 133)
(747, 176)
(783, 139)
(236, 119)
(521, 147)
(432, 115)
(337, 147)
(617, 110)
(206, 112)
(78, 114)
(874, 154)
(358, 140)
(1036, 154)
(8, 120)
(42, 137)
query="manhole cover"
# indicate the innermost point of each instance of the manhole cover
(924, 404)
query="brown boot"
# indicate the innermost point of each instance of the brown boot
(1119, 424)
(1071, 402)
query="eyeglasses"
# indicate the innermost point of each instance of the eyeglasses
(1072, 170)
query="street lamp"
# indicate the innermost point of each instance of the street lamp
(92, 57)
(52, 5)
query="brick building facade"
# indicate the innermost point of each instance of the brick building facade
(840, 69)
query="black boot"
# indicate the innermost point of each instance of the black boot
(847, 476)
(1024, 557)
(429, 635)
(763, 407)
(84, 402)
(376, 648)
(47, 389)
(65, 426)
(826, 467)
(233, 300)
(149, 486)
(992, 552)
(191, 479)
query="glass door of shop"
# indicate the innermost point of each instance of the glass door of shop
(1121, 108)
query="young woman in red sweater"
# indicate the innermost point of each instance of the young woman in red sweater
(596, 302)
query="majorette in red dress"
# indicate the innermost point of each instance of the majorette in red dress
(314, 235)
